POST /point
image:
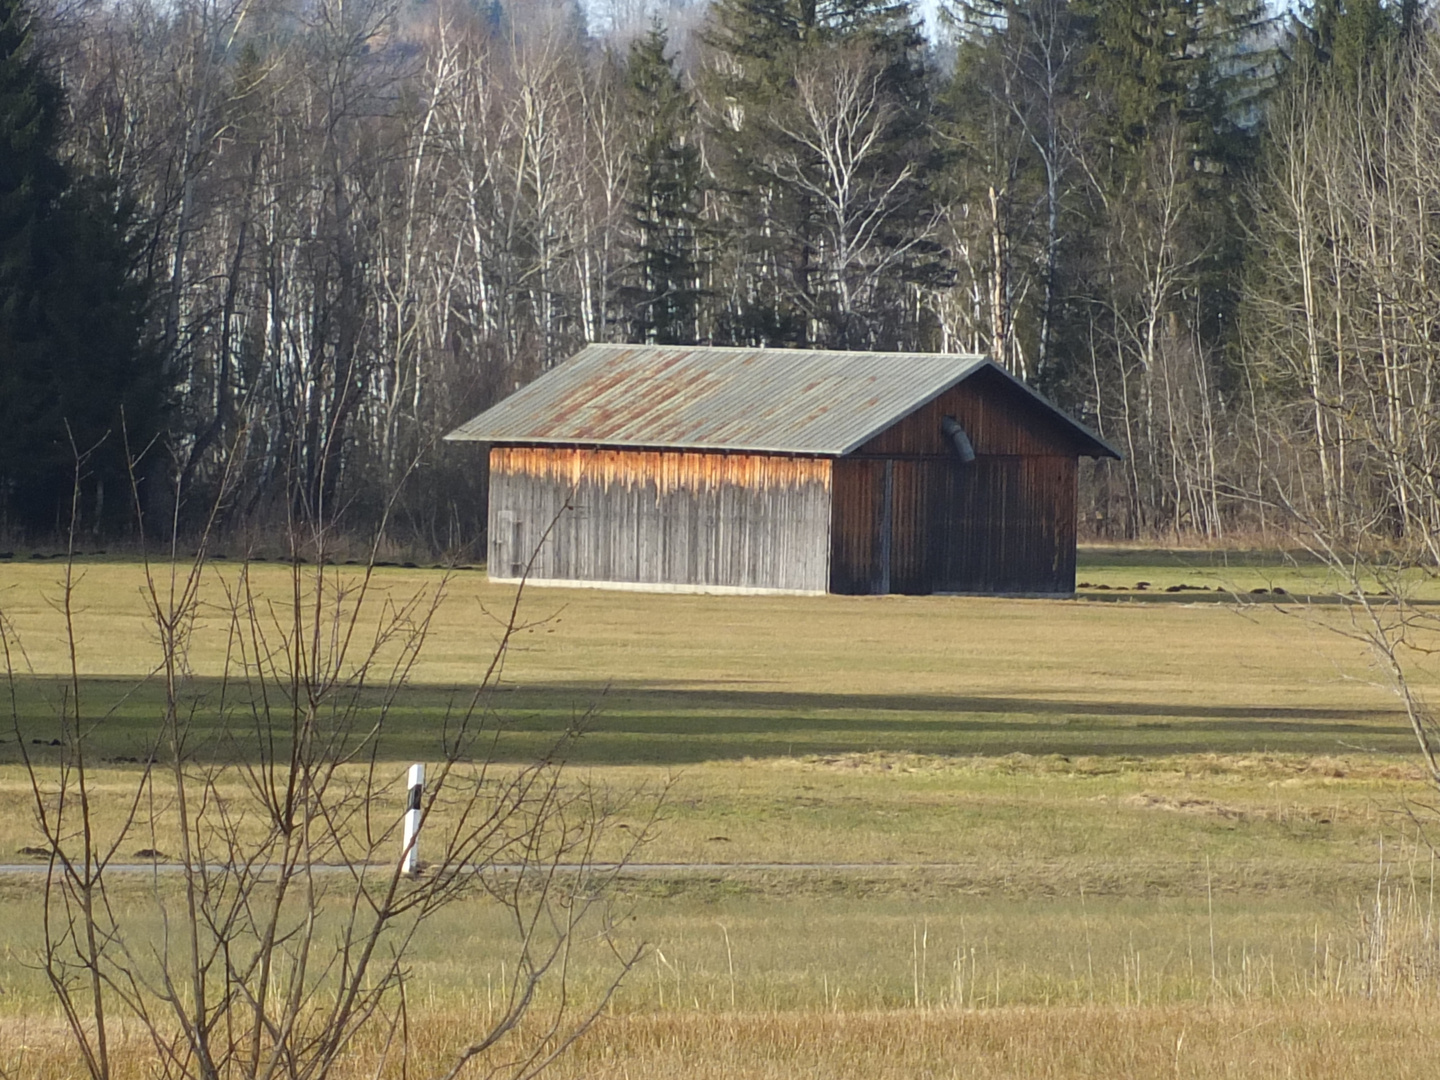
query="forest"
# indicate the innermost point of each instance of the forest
(257, 257)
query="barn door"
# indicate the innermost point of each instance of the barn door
(507, 547)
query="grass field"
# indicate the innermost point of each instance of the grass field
(1140, 832)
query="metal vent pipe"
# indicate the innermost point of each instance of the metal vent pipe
(958, 439)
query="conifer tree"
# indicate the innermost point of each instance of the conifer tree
(75, 373)
(667, 207)
(1139, 287)
(1343, 36)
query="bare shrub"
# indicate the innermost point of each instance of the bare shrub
(278, 923)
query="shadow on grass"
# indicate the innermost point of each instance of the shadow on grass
(675, 724)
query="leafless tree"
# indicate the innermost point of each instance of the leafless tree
(1341, 315)
(285, 922)
(835, 158)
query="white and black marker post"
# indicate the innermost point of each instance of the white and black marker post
(410, 846)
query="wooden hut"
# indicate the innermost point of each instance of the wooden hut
(776, 470)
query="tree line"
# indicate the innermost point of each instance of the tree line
(261, 255)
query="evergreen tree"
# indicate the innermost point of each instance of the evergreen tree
(1143, 61)
(75, 373)
(1162, 126)
(1194, 72)
(667, 210)
(764, 37)
(1343, 36)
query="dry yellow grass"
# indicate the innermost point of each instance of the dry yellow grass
(1326, 1042)
(1385, 1040)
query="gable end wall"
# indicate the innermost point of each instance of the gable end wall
(909, 517)
(999, 418)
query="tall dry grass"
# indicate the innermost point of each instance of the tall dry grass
(1337, 1040)
(1367, 1008)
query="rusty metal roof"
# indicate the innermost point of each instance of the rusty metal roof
(785, 401)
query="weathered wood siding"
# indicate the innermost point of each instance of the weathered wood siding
(908, 517)
(742, 521)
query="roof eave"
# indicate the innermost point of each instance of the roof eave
(605, 444)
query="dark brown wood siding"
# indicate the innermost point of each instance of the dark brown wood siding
(901, 514)
(747, 521)
(908, 516)
(999, 417)
(1003, 524)
(1011, 526)
(857, 564)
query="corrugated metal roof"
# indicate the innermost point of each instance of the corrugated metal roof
(787, 401)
